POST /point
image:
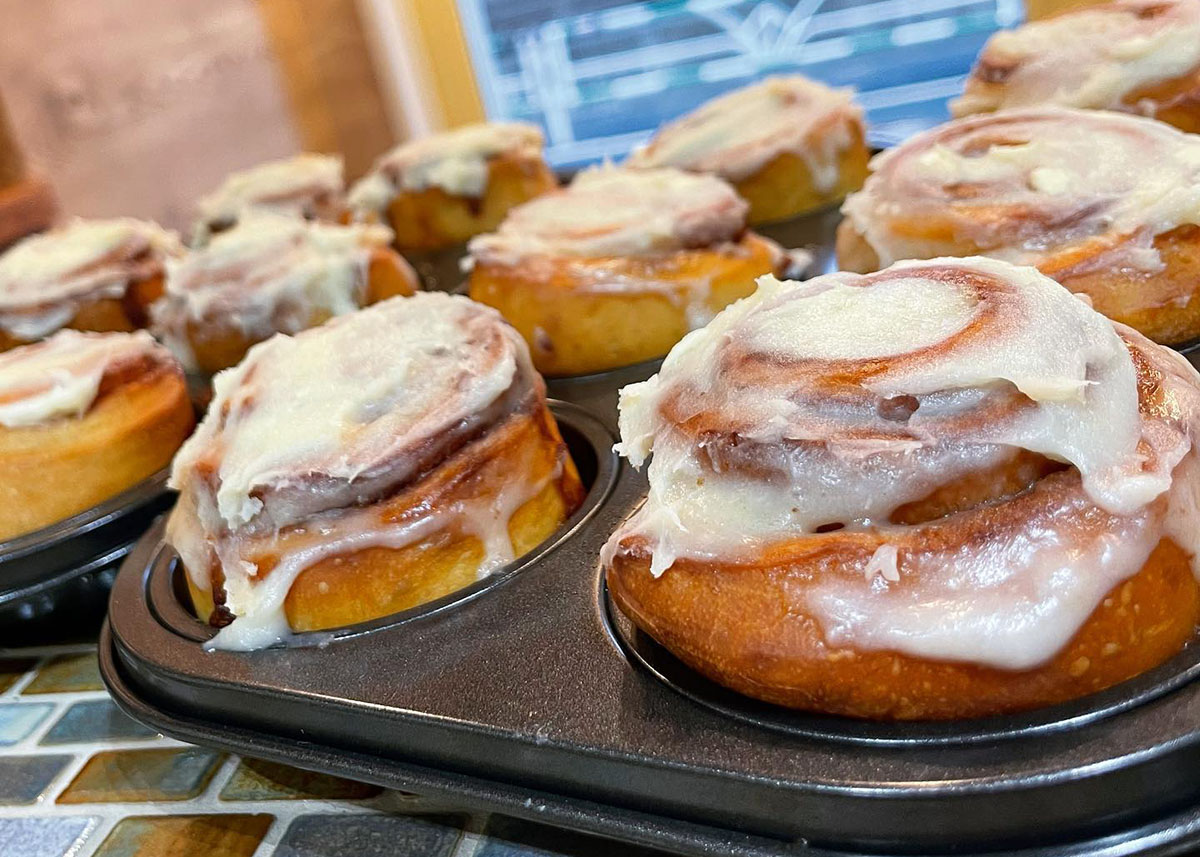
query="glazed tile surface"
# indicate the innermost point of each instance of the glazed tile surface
(80, 779)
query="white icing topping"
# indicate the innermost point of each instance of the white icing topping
(1023, 185)
(839, 400)
(45, 278)
(60, 376)
(1091, 57)
(455, 160)
(737, 134)
(269, 273)
(607, 211)
(306, 185)
(309, 430)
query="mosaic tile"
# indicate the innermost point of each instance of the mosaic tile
(143, 775)
(94, 720)
(510, 837)
(186, 836)
(371, 836)
(24, 778)
(67, 674)
(256, 779)
(43, 837)
(18, 720)
(11, 670)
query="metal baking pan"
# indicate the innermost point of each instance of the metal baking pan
(70, 563)
(529, 694)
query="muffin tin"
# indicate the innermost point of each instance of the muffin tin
(529, 694)
(70, 564)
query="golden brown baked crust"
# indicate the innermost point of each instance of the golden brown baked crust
(366, 584)
(573, 328)
(785, 188)
(322, 492)
(1078, 235)
(50, 472)
(105, 315)
(746, 627)
(216, 346)
(433, 219)
(832, 429)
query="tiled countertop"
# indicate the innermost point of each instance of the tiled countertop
(80, 779)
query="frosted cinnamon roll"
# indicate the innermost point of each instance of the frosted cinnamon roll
(788, 145)
(272, 274)
(357, 469)
(618, 266)
(1138, 56)
(441, 190)
(948, 489)
(1106, 204)
(307, 186)
(87, 274)
(84, 416)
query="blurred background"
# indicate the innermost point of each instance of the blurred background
(138, 108)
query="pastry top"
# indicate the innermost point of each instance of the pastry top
(268, 273)
(455, 161)
(44, 278)
(306, 185)
(1024, 184)
(609, 211)
(1093, 57)
(346, 412)
(60, 377)
(737, 134)
(829, 404)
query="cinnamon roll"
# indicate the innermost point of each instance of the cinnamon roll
(439, 191)
(788, 145)
(618, 266)
(1137, 56)
(948, 489)
(84, 416)
(97, 275)
(272, 274)
(1106, 204)
(357, 469)
(307, 186)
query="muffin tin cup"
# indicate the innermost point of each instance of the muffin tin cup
(71, 562)
(529, 694)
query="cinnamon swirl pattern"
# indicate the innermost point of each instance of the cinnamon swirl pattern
(1138, 56)
(307, 185)
(1106, 204)
(272, 274)
(947, 489)
(87, 274)
(619, 265)
(439, 191)
(83, 416)
(787, 144)
(381, 460)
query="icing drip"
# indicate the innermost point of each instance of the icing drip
(60, 377)
(269, 273)
(456, 161)
(608, 211)
(1091, 58)
(737, 134)
(1023, 185)
(306, 185)
(45, 278)
(309, 431)
(831, 404)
